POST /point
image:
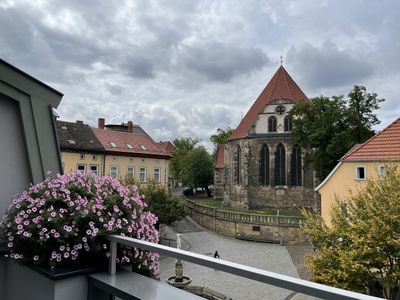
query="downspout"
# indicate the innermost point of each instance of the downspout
(104, 164)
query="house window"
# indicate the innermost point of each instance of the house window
(114, 145)
(361, 173)
(142, 174)
(272, 124)
(280, 165)
(264, 165)
(381, 171)
(94, 157)
(129, 146)
(113, 171)
(280, 110)
(94, 169)
(82, 156)
(131, 172)
(143, 147)
(238, 153)
(157, 175)
(288, 124)
(295, 174)
(81, 168)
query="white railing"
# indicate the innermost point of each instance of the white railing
(278, 280)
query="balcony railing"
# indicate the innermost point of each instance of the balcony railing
(278, 280)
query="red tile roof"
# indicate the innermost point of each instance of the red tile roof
(281, 86)
(140, 144)
(384, 145)
(167, 146)
(219, 162)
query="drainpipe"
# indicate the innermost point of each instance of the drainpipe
(104, 164)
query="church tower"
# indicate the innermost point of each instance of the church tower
(263, 169)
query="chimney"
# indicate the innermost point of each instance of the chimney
(100, 123)
(79, 122)
(130, 126)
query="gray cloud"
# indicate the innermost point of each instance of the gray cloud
(185, 68)
(327, 66)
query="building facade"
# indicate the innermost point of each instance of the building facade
(131, 154)
(262, 168)
(362, 162)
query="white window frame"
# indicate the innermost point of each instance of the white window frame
(381, 170)
(357, 173)
(154, 175)
(144, 174)
(130, 173)
(81, 165)
(97, 170)
(116, 171)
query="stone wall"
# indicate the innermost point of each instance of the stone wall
(219, 184)
(248, 226)
(248, 193)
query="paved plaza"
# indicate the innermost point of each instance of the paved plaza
(274, 258)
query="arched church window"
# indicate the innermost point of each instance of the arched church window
(288, 123)
(264, 165)
(272, 124)
(296, 166)
(237, 171)
(280, 165)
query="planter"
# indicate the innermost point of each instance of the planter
(20, 282)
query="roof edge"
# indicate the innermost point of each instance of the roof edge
(329, 176)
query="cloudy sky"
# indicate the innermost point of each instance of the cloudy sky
(184, 68)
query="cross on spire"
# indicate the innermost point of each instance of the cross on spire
(281, 59)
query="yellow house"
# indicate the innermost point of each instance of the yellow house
(80, 148)
(362, 162)
(131, 152)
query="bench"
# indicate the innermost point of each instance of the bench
(129, 285)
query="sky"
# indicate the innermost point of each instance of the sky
(184, 68)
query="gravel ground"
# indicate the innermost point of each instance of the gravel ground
(274, 258)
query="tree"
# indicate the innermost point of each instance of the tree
(182, 147)
(198, 169)
(361, 247)
(326, 128)
(167, 208)
(221, 137)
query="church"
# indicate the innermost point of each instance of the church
(259, 167)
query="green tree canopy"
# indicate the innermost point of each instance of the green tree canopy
(361, 247)
(328, 127)
(182, 147)
(198, 170)
(221, 137)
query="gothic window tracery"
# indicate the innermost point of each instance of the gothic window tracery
(264, 165)
(296, 166)
(272, 124)
(288, 124)
(280, 165)
(237, 171)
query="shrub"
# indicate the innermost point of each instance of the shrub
(167, 208)
(63, 220)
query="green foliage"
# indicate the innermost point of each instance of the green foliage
(167, 208)
(221, 137)
(182, 147)
(328, 127)
(198, 168)
(362, 245)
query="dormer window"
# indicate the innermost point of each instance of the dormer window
(272, 124)
(142, 147)
(129, 146)
(114, 145)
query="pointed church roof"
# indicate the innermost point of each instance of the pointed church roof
(281, 86)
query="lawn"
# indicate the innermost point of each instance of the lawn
(218, 204)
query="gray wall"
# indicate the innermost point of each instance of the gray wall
(14, 169)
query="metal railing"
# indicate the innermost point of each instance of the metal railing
(275, 279)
